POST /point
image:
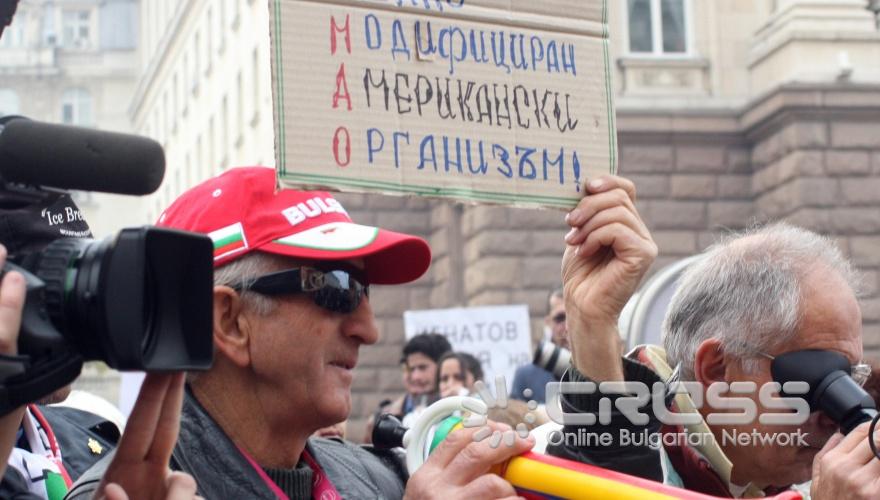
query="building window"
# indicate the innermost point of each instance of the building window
(239, 109)
(175, 100)
(13, 36)
(76, 26)
(224, 132)
(874, 6)
(157, 119)
(255, 81)
(9, 103)
(184, 99)
(196, 67)
(200, 158)
(221, 26)
(209, 40)
(234, 14)
(76, 107)
(212, 141)
(169, 114)
(658, 27)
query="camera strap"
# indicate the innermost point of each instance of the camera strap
(22, 381)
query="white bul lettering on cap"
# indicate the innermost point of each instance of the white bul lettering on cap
(312, 208)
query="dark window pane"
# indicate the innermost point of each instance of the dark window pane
(673, 26)
(640, 35)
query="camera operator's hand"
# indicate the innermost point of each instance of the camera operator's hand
(140, 467)
(608, 251)
(460, 468)
(12, 293)
(846, 468)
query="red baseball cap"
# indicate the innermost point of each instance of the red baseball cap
(242, 211)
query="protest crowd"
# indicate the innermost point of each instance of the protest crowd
(244, 428)
(717, 409)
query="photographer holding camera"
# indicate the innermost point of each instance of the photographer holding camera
(143, 454)
(50, 447)
(740, 315)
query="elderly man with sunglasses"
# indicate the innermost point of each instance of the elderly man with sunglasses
(753, 301)
(291, 310)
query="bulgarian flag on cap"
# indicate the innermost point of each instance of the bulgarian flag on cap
(228, 240)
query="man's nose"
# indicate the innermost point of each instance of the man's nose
(361, 324)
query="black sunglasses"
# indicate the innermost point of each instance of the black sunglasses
(336, 290)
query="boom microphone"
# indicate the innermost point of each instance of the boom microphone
(80, 158)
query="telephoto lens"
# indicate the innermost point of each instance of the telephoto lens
(552, 358)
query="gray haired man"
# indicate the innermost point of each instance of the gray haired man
(751, 298)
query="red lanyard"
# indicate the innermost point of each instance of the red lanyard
(53, 444)
(322, 488)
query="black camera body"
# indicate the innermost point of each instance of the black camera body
(138, 300)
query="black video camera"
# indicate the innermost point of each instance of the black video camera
(138, 300)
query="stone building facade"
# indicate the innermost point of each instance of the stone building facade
(769, 111)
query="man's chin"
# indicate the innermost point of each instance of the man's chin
(335, 415)
(336, 409)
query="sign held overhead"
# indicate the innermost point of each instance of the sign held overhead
(480, 100)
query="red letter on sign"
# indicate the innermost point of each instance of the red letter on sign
(347, 147)
(341, 88)
(334, 28)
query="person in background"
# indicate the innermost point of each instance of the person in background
(457, 373)
(533, 377)
(419, 365)
(420, 356)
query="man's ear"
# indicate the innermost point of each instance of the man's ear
(710, 362)
(231, 327)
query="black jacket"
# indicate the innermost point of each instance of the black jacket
(641, 461)
(221, 472)
(73, 430)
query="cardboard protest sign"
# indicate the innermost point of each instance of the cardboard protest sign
(493, 101)
(498, 336)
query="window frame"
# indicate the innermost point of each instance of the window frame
(14, 99)
(80, 99)
(657, 32)
(14, 34)
(77, 42)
